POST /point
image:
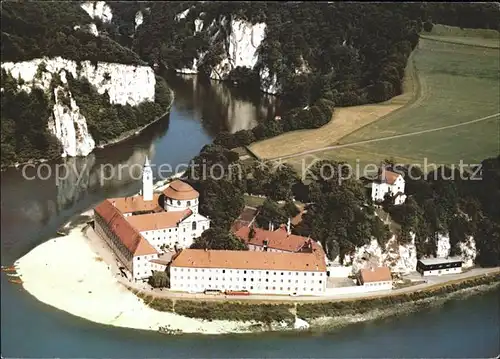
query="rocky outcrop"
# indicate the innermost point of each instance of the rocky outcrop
(98, 10)
(402, 258)
(124, 84)
(240, 43)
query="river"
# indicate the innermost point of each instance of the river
(32, 210)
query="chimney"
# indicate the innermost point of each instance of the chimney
(270, 226)
(114, 203)
(288, 226)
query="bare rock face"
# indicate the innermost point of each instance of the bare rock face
(240, 49)
(402, 258)
(125, 85)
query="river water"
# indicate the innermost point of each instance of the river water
(33, 209)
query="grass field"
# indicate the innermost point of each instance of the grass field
(457, 83)
(345, 120)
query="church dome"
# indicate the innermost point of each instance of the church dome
(180, 191)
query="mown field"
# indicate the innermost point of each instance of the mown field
(344, 121)
(457, 83)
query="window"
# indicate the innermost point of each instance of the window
(189, 203)
(244, 272)
(223, 271)
(178, 203)
(282, 273)
(193, 226)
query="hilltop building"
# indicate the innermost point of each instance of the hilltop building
(388, 182)
(140, 229)
(258, 272)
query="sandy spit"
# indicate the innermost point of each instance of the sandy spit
(65, 273)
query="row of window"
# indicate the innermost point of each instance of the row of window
(236, 279)
(174, 269)
(376, 284)
(170, 201)
(109, 235)
(237, 287)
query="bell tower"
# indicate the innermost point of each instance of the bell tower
(147, 181)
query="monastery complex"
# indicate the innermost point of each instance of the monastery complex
(154, 231)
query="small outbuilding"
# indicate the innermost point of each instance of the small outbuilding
(378, 278)
(439, 266)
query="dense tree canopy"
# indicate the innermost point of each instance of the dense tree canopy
(217, 238)
(350, 53)
(43, 28)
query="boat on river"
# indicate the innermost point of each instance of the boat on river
(169, 331)
(9, 269)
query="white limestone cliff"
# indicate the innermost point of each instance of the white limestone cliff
(240, 48)
(443, 246)
(402, 258)
(139, 19)
(70, 126)
(468, 252)
(98, 10)
(125, 84)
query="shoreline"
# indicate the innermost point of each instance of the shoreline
(90, 290)
(127, 135)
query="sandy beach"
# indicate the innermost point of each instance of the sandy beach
(66, 273)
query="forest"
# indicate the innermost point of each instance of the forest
(47, 29)
(341, 215)
(25, 134)
(355, 53)
(36, 29)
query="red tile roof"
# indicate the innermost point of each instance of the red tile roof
(161, 220)
(379, 274)
(200, 258)
(136, 204)
(181, 191)
(128, 235)
(278, 239)
(388, 176)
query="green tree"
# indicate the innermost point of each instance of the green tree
(159, 279)
(218, 238)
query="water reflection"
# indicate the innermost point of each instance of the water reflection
(222, 108)
(33, 209)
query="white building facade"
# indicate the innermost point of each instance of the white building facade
(256, 272)
(373, 279)
(439, 266)
(141, 228)
(389, 183)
